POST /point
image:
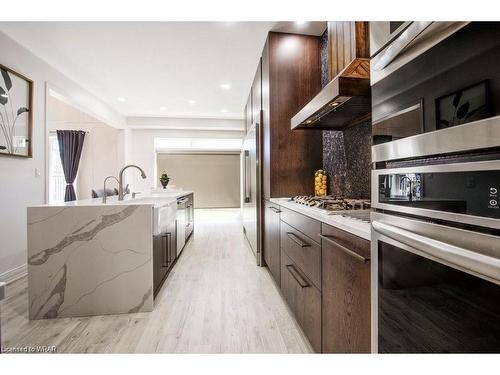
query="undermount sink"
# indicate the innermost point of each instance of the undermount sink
(163, 215)
(164, 212)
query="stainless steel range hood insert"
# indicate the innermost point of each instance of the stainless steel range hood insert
(343, 102)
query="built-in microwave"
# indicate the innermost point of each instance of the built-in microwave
(455, 82)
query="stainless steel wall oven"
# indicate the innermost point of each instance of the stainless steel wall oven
(454, 82)
(436, 194)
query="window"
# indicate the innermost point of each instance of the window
(57, 182)
(214, 144)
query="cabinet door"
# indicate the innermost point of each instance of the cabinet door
(248, 112)
(304, 300)
(271, 241)
(346, 298)
(257, 95)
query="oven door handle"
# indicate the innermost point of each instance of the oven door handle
(479, 264)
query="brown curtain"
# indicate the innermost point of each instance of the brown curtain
(70, 150)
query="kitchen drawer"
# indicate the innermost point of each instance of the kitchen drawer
(305, 224)
(305, 252)
(304, 300)
(350, 241)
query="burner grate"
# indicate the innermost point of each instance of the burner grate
(333, 203)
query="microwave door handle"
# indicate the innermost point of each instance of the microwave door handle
(384, 58)
(479, 264)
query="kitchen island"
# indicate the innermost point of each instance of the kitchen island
(90, 258)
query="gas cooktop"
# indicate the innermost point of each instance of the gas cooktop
(353, 208)
(333, 203)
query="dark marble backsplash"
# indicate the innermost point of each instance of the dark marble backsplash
(347, 153)
(346, 161)
(324, 58)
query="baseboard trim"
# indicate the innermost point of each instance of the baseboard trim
(14, 274)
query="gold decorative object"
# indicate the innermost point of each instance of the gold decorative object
(320, 183)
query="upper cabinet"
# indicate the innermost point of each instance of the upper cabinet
(290, 78)
(346, 99)
(287, 77)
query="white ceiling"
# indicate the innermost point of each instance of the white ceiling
(157, 67)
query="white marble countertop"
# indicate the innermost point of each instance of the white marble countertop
(357, 227)
(140, 199)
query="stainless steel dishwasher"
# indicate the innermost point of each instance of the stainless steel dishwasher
(181, 223)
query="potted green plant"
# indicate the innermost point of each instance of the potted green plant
(164, 179)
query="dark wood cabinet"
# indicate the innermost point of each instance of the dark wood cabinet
(271, 239)
(345, 292)
(301, 271)
(303, 298)
(164, 256)
(325, 279)
(248, 112)
(257, 95)
(305, 252)
(290, 79)
(309, 226)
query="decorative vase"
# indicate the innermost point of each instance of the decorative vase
(164, 183)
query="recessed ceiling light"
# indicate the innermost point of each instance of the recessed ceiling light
(224, 110)
(162, 108)
(192, 102)
(121, 99)
(225, 86)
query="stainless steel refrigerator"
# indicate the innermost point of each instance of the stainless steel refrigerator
(251, 190)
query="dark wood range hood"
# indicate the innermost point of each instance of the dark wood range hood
(346, 99)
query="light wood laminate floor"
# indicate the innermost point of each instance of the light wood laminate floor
(215, 300)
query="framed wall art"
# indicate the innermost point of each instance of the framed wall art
(16, 118)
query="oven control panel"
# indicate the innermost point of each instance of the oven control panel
(493, 203)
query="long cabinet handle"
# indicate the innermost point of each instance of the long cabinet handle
(345, 249)
(297, 276)
(297, 240)
(247, 182)
(454, 255)
(165, 260)
(276, 210)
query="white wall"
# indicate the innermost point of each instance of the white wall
(103, 148)
(142, 151)
(171, 123)
(20, 186)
